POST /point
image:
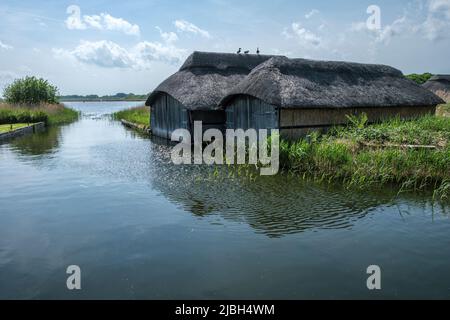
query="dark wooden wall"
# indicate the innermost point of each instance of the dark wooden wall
(214, 119)
(167, 115)
(246, 112)
(296, 123)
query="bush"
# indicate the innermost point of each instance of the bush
(420, 78)
(30, 90)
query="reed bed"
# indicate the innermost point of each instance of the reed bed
(138, 115)
(51, 114)
(415, 155)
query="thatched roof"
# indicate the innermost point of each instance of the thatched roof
(298, 83)
(439, 85)
(441, 78)
(206, 77)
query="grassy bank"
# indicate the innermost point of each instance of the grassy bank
(51, 114)
(412, 154)
(10, 127)
(138, 115)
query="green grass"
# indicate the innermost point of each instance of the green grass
(51, 114)
(10, 127)
(137, 115)
(371, 156)
(63, 115)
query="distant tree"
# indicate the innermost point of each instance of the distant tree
(420, 78)
(30, 90)
(120, 95)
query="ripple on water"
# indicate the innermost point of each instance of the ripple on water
(271, 205)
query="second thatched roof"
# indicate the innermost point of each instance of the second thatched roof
(439, 85)
(206, 77)
(301, 83)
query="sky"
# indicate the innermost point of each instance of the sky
(105, 47)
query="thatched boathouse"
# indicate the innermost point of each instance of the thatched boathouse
(440, 86)
(194, 92)
(298, 95)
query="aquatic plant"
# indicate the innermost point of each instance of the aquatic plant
(138, 115)
(415, 155)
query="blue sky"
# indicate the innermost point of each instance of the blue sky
(105, 47)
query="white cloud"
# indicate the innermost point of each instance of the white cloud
(103, 21)
(146, 52)
(5, 46)
(305, 37)
(102, 53)
(168, 37)
(398, 27)
(358, 26)
(186, 26)
(6, 77)
(437, 23)
(286, 34)
(432, 23)
(119, 24)
(312, 13)
(109, 54)
(439, 7)
(94, 21)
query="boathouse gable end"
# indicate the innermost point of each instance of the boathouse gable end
(166, 115)
(202, 81)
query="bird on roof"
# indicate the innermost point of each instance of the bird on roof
(246, 52)
(239, 51)
(257, 50)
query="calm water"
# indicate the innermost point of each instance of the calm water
(97, 195)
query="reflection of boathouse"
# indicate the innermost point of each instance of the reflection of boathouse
(261, 204)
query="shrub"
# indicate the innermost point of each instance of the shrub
(30, 90)
(420, 78)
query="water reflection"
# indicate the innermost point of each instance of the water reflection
(274, 206)
(38, 144)
(111, 201)
(271, 205)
